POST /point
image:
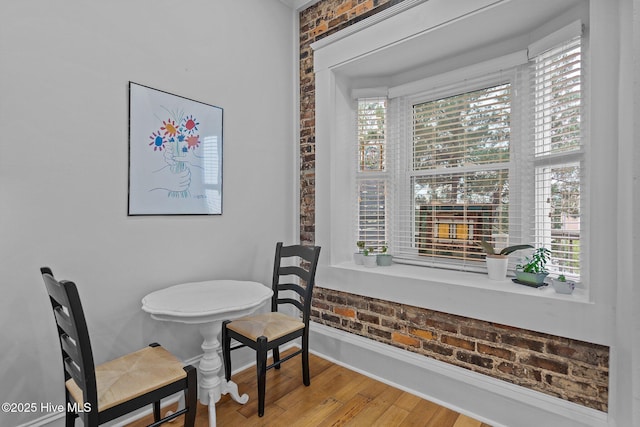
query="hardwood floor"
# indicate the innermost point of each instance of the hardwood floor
(337, 396)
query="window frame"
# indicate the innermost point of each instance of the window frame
(475, 80)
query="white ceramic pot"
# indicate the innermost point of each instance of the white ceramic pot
(565, 287)
(358, 258)
(370, 260)
(497, 267)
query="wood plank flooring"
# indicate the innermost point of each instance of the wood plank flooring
(337, 396)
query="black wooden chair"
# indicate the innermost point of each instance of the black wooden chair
(98, 394)
(268, 331)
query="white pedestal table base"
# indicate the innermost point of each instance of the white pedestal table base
(213, 383)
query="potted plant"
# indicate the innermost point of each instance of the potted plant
(383, 258)
(562, 285)
(497, 262)
(369, 258)
(533, 271)
(358, 257)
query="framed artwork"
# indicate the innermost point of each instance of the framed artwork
(175, 154)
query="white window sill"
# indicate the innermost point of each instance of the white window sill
(466, 279)
(472, 295)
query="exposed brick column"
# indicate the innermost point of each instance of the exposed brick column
(320, 20)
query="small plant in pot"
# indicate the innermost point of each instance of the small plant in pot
(497, 261)
(562, 285)
(533, 271)
(358, 257)
(383, 258)
(369, 258)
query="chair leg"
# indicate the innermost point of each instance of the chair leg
(156, 411)
(261, 363)
(305, 360)
(70, 419)
(191, 397)
(276, 356)
(70, 416)
(226, 350)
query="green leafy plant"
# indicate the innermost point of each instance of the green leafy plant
(537, 262)
(490, 249)
(366, 251)
(561, 278)
(360, 244)
(383, 249)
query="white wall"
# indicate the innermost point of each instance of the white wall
(625, 391)
(64, 71)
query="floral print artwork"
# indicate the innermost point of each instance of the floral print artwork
(175, 147)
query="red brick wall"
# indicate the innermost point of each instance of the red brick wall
(569, 369)
(573, 370)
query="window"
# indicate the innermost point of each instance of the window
(497, 158)
(372, 172)
(559, 175)
(459, 173)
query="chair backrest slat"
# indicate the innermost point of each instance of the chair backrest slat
(305, 252)
(75, 372)
(292, 287)
(296, 303)
(70, 347)
(55, 290)
(64, 322)
(294, 271)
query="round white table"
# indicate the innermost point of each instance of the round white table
(207, 304)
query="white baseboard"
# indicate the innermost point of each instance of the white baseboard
(486, 399)
(49, 420)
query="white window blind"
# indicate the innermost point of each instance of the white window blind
(372, 173)
(556, 106)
